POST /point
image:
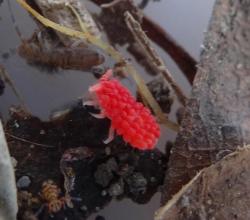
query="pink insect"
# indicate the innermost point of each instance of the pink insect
(129, 118)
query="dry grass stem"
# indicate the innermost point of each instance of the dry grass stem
(152, 55)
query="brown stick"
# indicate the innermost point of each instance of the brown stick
(27, 141)
(152, 55)
(111, 4)
(8, 80)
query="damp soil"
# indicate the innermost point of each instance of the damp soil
(64, 144)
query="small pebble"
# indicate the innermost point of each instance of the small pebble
(32, 146)
(108, 151)
(42, 132)
(152, 179)
(16, 124)
(84, 208)
(97, 71)
(104, 173)
(104, 192)
(137, 183)
(116, 189)
(23, 182)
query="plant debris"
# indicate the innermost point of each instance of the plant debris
(40, 49)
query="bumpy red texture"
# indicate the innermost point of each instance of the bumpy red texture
(129, 118)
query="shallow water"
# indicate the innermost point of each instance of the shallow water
(44, 92)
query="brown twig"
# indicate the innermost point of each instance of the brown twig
(110, 4)
(27, 141)
(7, 79)
(152, 55)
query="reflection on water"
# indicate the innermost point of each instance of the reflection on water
(184, 20)
(125, 209)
